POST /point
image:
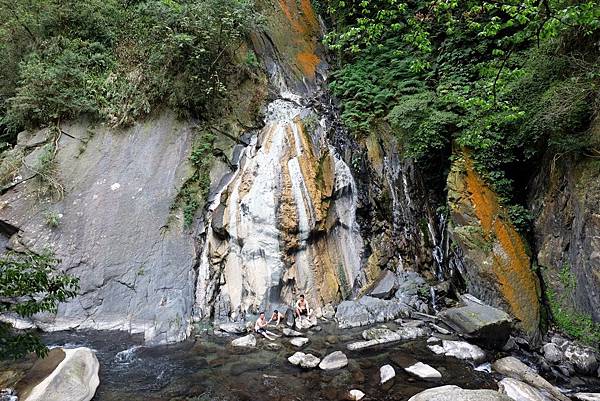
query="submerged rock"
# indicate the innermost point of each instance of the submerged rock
(291, 333)
(459, 349)
(484, 323)
(248, 341)
(515, 369)
(455, 393)
(424, 371)
(386, 373)
(301, 359)
(519, 391)
(74, 379)
(335, 360)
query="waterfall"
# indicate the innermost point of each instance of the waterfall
(284, 222)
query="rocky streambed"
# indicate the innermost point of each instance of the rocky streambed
(395, 360)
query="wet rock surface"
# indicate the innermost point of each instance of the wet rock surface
(480, 322)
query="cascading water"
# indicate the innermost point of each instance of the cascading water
(284, 222)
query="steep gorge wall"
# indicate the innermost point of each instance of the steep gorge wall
(565, 201)
(497, 266)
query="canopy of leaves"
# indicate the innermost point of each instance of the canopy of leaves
(115, 59)
(506, 79)
(29, 284)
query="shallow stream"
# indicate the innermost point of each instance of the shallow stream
(208, 368)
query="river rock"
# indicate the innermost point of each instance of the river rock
(74, 379)
(515, 369)
(307, 361)
(248, 341)
(459, 349)
(8, 394)
(368, 310)
(299, 341)
(274, 346)
(519, 391)
(584, 359)
(355, 395)
(424, 371)
(291, 333)
(385, 285)
(552, 353)
(306, 322)
(335, 360)
(383, 335)
(386, 373)
(483, 323)
(587, 396)
(455, 393)
(328, 312)
(233, 328)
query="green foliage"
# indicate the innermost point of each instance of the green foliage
(116, 60)
(29, 284)
(194, 191)
(579, 326)
(52, 219)
(506, 80)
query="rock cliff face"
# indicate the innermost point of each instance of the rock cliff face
(110, 228)
(296, 205)
(565, 201)
(497, 267)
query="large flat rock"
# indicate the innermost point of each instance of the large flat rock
(480, 322)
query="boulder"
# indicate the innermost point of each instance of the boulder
(291, 333)
(306, 322)
(552, 353)
(424, 372)
(368, 310)
(328, 312)
(74, 379)
(455, 393)
(587, 396)
(248, 341)
(307, 361)
(386, 373)
(356, 395)
(299, 341)
(335, 360)
(289, 317)
(519, 391)
(515, 369)
(459, 349)
(479, 322)
(584, 359)
(385, 285)
(274, 346)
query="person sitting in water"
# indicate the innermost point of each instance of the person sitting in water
(276, 317)
(301, 307)
(261, 327)
(261, 324)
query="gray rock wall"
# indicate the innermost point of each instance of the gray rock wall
(565, 201)
(115, 231)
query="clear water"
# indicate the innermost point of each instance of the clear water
(208, 368)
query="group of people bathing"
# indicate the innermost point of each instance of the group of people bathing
(261, 323)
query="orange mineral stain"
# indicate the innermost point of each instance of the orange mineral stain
(511, 263)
